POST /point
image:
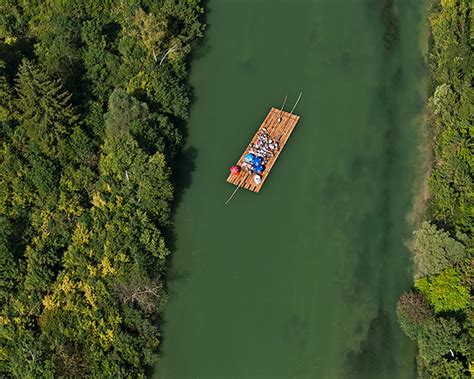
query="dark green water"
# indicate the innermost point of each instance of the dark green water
(301, 280)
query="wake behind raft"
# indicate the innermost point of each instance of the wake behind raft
(255, 164)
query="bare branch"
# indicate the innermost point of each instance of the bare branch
(170, 50)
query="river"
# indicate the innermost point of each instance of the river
(300, 280)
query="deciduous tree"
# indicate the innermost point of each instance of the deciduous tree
(435, 250)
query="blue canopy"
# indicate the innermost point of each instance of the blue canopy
(249, 158)
(257, 161)
(258, 169)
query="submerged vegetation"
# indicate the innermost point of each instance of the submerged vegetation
(91, 94)
(438, 313)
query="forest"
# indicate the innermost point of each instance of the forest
(93, 96)
(438, 312)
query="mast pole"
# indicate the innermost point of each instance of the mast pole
(289, 118)
(297, 101)
(231, 196)
(283, 106)
(235, 191)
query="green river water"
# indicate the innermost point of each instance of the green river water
(300, 280)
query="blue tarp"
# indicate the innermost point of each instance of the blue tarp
(249, 158)
(258, 169)
(257, 161)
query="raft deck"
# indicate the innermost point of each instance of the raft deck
(278, 131)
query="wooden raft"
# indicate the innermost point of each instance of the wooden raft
(278, 131)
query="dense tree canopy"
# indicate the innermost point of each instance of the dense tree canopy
(443, 246)
(442, 337)
(90, 93)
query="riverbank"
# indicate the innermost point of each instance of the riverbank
(437, 313)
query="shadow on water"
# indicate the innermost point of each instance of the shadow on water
(183, 167)
(391, 33)
(372, 356)
(202, 47)
(184, 163)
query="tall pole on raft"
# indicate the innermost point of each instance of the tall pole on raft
(231, 196)
(283, 106)
(235, 191)
(297, 101)
(291, 113)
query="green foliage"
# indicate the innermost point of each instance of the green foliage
(59, 49)
(85, 181)
(13, 18)
(152, 131)
(9, 267)
(124, 110)
(451, 104)
(130, 171)
(100, 64)
(5, 93)
(445, 291)
(445, 368)
(435, 250)
(444, 266)
(43, 108)
(168, 93)
(441, 336)
(413, 312)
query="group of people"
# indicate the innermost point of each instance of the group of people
(247, 166)
(264, 147)
(259, 153)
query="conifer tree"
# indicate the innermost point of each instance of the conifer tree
(43, 109)
(5, 94)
